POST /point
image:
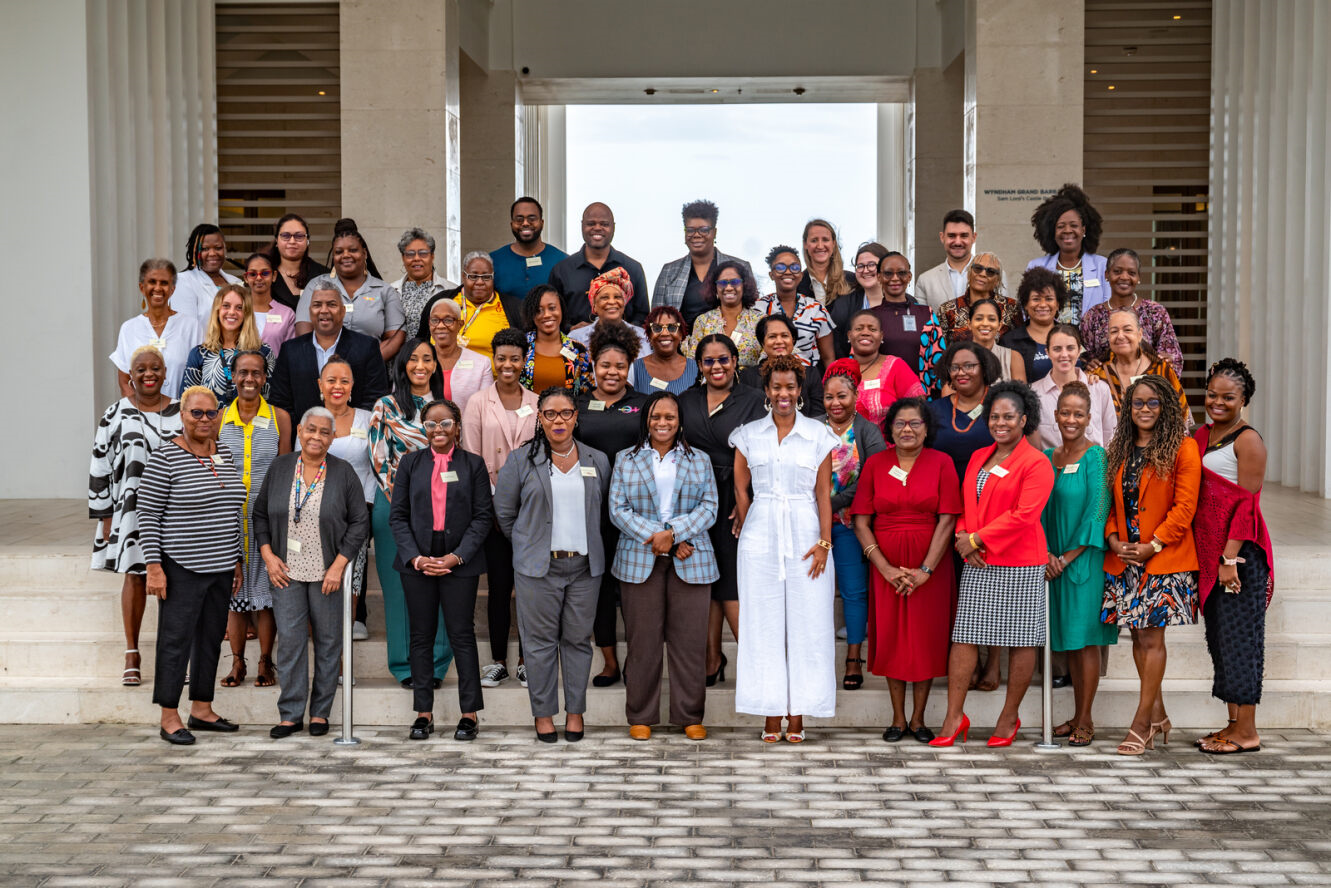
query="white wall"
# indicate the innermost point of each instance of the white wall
(46, 230)
(1270, 250)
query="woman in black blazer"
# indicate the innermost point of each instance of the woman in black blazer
(440, 516)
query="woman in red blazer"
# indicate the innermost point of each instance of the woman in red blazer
(1001, 601)
(1155, 474)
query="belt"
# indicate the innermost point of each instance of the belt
(563, 553)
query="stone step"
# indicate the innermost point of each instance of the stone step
(378, 701)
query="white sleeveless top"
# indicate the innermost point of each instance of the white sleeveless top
(1223, 461)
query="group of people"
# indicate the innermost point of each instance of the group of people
(700, 458)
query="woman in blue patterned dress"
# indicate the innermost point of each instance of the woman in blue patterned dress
(231, 329)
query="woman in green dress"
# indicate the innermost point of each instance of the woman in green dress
(1074, 524)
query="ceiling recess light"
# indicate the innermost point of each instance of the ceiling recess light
(1177, 17)
(1111, 86)
(716, 90)
(1095, 70)
(322, 93)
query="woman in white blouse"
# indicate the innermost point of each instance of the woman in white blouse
(1065, 346)
(205, 253)
(172, 333)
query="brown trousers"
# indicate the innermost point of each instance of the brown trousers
(665, 610)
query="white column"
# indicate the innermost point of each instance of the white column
(1270, 250)
(893, 212)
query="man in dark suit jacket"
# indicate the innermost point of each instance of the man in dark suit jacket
(295, 383)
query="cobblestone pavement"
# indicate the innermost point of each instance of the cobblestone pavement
(113, 805)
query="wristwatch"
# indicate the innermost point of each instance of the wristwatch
(926, 570)
(1157, 545)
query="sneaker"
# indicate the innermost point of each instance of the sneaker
(359, 632)
(841, 633)
(522, 674)
(493, 675)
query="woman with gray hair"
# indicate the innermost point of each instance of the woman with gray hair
(482, 312)
(309, 523)
(421, 282)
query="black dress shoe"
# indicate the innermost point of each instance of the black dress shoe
(572, 736)
(406, 683)
(923, 734)
(1060, 681)
(893, 734)
(548, 737)
(318, 729)
(221, 724)
(179, 737)
(421, 729)
(277, 732)
(605, 681)
(467, 729)
(437, 683)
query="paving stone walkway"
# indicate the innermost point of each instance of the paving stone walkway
(113, 805)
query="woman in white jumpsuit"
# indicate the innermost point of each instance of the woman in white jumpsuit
(786, 641)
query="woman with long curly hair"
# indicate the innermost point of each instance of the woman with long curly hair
(1151, 565)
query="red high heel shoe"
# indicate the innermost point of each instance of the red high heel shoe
(963, 729)
(1005, 741)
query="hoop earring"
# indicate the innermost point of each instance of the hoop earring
(767, 404)
(799, 403)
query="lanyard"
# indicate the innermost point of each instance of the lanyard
(207, 464)
(466, 324)
(300, 476)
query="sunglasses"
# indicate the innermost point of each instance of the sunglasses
(894, 274)
(665, 328)
(212, 414)
(723, 361)
(782, 268)
(262, 274)
(986, 270)
(737, 283)
(1139, 404)
(552, 415)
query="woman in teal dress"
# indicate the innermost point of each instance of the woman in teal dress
(1074, 524)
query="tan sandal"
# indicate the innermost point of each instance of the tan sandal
(1138, 746)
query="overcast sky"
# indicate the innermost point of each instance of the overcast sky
(770, 168)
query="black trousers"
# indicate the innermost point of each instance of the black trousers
(499, 604)
(456, 596)
(605, 629)
(191, 621)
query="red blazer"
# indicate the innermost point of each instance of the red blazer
(1007, 516)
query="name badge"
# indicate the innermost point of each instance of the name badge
(908, 323)
(262, 422)
(274, 318)
(293, 547)
(1091, 282)
(659, 384)
(1071, 468)
(358, 433)
(588, 471)
(464, 365)
(218, 460)
(448, 477)
(898, 473)
(533, 261)
(158, 342)
(463, 341)
(596, 406)
(350, 306)
(975, 414)
(871, 384)
(998, 472)
(568, 354)
(1132, 379)
(525, 410)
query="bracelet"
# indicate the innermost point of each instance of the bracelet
(1231, 562)
(971, 538)
(825, 544)
(869, 551)
(926, 570)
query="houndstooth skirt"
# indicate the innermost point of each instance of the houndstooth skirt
(1001, 606)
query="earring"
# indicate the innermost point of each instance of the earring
(799, 403)
(767, 404)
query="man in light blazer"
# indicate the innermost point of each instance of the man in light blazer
(666, 596)
(947, 280)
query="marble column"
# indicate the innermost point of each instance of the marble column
(934, 161)
(493, 156)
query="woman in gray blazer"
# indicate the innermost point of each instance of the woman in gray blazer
(548, 500)
(309, 522)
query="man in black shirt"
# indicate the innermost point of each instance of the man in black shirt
(572, 276)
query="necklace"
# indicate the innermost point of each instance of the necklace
(956, 409)
(840, 432)
(1062, 267)
(566, 453)
(1212, 438)
(1132, 304)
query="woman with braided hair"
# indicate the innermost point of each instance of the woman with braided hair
(1234, 554)
(1151, 564)
(205, 254)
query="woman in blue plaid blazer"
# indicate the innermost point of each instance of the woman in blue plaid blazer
(663, 499)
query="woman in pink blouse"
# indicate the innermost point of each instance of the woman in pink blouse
(885, 379)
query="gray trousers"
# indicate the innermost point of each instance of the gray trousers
(555, 616)
(295, 608)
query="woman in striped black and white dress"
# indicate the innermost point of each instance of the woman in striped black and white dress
(191, 501)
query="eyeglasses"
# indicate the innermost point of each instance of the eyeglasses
(701, 230)
(895, 274)
(200, 414)
(443, 425)
(735, 283)
(447, 321)
(295, 236)
(412, 254)
(551, 415)
(963, 368)
(867, 267)
(477, 278)
(986, 270)
(782, 268)
(723, 361)
(672, 327)
(913, 424)
(1151, 403)
(261, 275)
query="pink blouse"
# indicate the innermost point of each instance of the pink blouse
(439, 487)
(895, 381)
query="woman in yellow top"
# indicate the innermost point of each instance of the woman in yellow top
(483, 314)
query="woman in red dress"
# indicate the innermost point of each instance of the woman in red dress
(905, 510)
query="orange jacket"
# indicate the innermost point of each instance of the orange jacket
(1164, 510)
(1007, 515)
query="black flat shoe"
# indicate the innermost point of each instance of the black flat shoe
(179, 737)
(719, 674)
(221, 724)
(437, 683)
(1061, 681)
(421, 729)
(550, 737)
(893, 734)
(277, 732)
(406, 684)
(467, 729)
(572, 736)
(605, 681)
(923, 734)
(318, 729)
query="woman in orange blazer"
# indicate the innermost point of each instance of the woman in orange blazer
(1000, 535)
(1151, 566)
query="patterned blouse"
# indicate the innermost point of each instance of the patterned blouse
(393, 436)
(213, 369)
(745, 334)
(1157, 331)
(812, 322)
(846, 463)
(414, 297)
(955, 317)
(1071, 313)
(577, 365)
(1160, 367)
